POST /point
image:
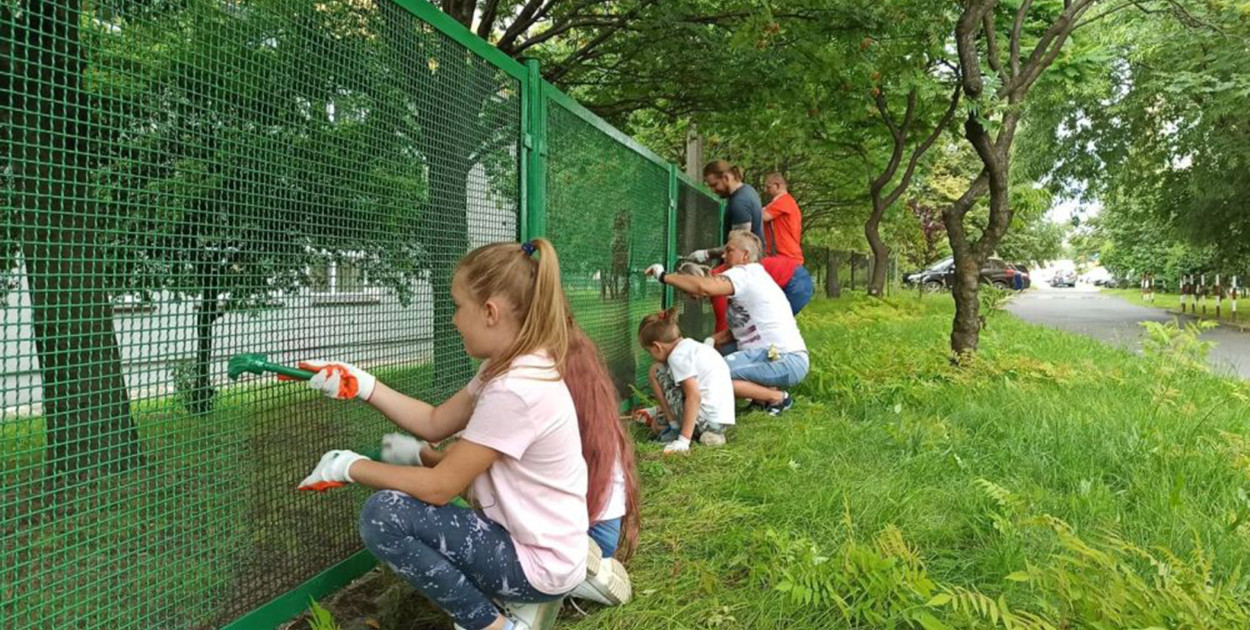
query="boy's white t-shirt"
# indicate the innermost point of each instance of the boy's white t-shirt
(759, 314)
(690, 358)
(536, 489)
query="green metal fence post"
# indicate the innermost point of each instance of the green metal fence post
(672, 230)
(534, 209)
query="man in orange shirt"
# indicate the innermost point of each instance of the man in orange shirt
(783, 251)
(783, 221)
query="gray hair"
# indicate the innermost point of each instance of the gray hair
(747, 241)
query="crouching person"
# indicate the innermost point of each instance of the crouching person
(691, 382)
(771, 356)
(507, 564)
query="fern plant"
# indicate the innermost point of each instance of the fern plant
(319, 618)
(1172, 345)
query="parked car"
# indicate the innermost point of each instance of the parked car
(1063, 279)
(941, 275)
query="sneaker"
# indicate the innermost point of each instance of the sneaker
(755, 405)
(540, 616)
(609, 585)
(594, 556)
(775, 409)
(712, 438)
(667, 435)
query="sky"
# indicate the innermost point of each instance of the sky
(1062, 212)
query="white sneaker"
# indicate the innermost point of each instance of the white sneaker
(541, 616)
(712, 438)
(609, 586)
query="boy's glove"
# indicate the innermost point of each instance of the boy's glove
(402, 450)
(331, 471)
(679, 446)
(338, 380)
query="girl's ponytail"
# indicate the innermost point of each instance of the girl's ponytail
(544, 325)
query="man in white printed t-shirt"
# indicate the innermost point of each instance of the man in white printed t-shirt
(771, 355)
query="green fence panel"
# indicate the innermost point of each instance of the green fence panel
(183, 182)
(698, 227)
(589, 211)
(186, 181)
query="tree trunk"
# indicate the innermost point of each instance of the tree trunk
(965, 333)
(447, 233)
(833, 288)
(200, 398)
(880, 251)
(86, 405)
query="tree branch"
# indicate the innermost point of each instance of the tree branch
(569, 62)
(900, 135)
(563, 27)
(487, 24)
(1047, 48)
(923, 148)
(1017, 30)
(965, 41)
(460, 11)
(524, 20)
(991, 47)
(883, 106)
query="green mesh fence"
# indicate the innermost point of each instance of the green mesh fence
(186, 181)
(698, 227)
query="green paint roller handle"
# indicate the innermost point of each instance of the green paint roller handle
(291, 372)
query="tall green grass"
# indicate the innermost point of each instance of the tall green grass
(1053, 482)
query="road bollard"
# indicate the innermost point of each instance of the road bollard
(1219, 295)
(1233, 298)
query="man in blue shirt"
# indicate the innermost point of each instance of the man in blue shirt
(743, 209)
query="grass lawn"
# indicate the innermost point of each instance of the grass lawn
(1081, 484)
(1172, 302)
(1056, 482)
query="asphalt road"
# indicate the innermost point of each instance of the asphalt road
(1107, 318)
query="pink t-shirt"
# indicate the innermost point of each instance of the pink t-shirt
(537, 488)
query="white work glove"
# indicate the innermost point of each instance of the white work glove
(402, 450)
(699, 256)
(331, 471)
(710, 342)
(655, 270)
(340, 381)
(679, 446)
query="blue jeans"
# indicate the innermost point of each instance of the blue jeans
(753, 365)
(455, 556)
(607, 534)
(799, 290)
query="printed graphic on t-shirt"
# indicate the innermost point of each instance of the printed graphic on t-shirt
(740, 322)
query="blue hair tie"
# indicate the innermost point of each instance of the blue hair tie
(529, 248)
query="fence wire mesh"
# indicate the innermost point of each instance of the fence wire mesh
(187, 181)
(183, 182)
(607, 208)
(698, 227)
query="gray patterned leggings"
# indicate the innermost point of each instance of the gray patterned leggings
(455, 556)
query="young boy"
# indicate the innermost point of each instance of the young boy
(691, 382)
